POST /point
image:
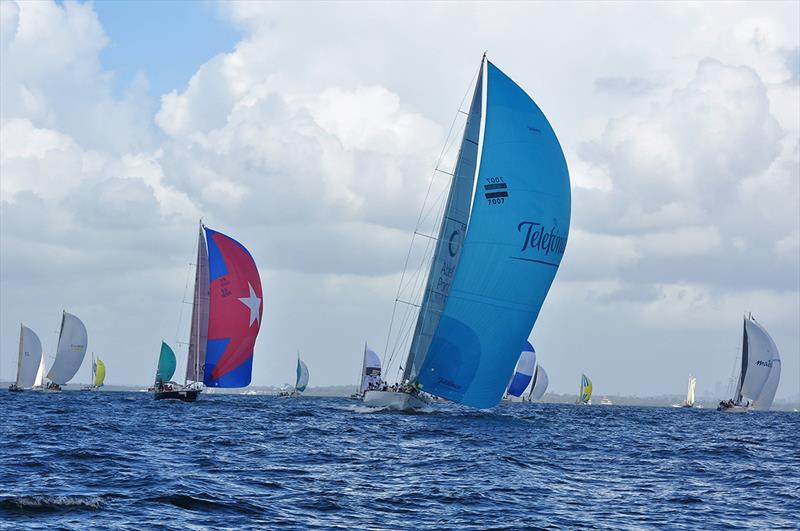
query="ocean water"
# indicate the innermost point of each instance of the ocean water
(100, 460)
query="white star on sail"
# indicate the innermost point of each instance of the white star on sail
(252, 302)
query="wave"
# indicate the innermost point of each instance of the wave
(38, 504)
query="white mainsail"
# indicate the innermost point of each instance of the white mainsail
(370, 368)
(198, 338)
(690, 391)
(38, 383)
(71, 349)
(30, 357)
(540, 383)
(760, 358)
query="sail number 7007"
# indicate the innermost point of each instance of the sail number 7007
(495, 190)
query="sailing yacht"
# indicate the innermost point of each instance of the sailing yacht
(98, 375)
(226, 319)
(585, 391)
(760, 371)
(689, 402)
(72, 342)
(29, 361)
(370, 372)
(539, 384)
(501, 237)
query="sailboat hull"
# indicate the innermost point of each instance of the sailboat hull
(186, 395)
(394, 400)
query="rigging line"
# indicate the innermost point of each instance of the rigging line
(430, 184)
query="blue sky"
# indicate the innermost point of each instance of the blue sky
(167, 40)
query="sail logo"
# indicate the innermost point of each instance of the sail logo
(77, 348)
(763, 363)
(495, 190)
(537, 237)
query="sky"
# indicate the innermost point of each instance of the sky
(310, 131)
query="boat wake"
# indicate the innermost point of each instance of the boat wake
(36, 504)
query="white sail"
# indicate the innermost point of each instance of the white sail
(540, 383)
(38, 383)
(759, 354)
(767, 396)
(71, 348)
(370, 368)
(763, 353)
(690, 391)
(30, 357)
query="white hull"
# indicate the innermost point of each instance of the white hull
(394, 400)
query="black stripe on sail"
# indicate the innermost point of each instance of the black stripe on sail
(494, 186)
(491, 195)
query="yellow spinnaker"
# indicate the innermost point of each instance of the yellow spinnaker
(586, 388)
(99, 372)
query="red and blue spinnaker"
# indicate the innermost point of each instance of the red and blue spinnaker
(234, 313)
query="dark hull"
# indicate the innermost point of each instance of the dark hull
(185, 395)
(15, 389)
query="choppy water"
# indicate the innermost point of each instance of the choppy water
(76, 460)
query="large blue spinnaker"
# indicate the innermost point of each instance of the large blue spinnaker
(515, 239)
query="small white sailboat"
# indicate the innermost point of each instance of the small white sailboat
(605, 401)
(539, 385)
(689, 402)
(72, 341)
(370, 375)
(300, 383)
(760, 371)
(500, 239)
(29, 361)
(98, 375)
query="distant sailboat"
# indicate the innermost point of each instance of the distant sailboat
(501, 238)
(302, 375)
(524, 371)
(760, 371)
(98, 375)
(29, 360)
(585, 392)
(370, 372)
(300, 383)
(689, 402)
(539, 385)
(72, 342)
(226, 318)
